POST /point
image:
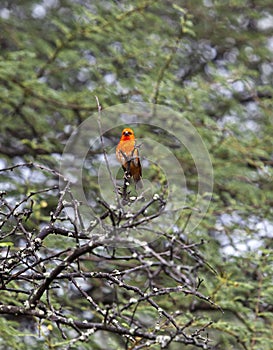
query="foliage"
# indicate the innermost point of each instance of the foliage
(210, 61)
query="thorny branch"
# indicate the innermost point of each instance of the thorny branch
(117, 284)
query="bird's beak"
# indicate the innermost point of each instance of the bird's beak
(126, 133)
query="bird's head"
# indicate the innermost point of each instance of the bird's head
(127, 134)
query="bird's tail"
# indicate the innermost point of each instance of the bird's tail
(138, 183)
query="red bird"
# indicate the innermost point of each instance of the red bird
(127, 154)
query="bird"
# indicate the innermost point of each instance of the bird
(128, 155)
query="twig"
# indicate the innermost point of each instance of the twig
(104, 152)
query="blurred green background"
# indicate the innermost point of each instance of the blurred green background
(211, 62)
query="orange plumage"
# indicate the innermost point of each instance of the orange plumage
(127, 154)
